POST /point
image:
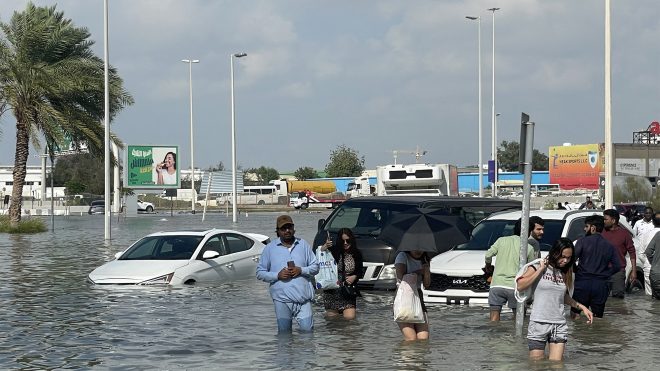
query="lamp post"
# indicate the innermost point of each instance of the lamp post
(609, 150)
(481, 168)
(192, 145)
(106, 122)
(494, 143)
(233, 136)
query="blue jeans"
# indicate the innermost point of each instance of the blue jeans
(285, 312)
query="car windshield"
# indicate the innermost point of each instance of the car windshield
(487, 232)
(365, 219)
(163, 248)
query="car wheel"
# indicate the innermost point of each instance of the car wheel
(304, 206)
(261, 202)
(189, 282)
(150, 209)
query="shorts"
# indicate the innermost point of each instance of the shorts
(592, 294)
(540, 333)
(498, 296)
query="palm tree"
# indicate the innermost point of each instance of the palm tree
(54, 85)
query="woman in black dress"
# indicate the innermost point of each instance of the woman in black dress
(349, 268)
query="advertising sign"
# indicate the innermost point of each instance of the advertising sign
(637, 166)
(491, 171)
(577, 166)
(152, 167)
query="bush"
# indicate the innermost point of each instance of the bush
(29, 225)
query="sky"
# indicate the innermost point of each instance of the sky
(377, 76)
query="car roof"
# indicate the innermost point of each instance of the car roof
(545, 214)
(426, 201)
(194, 232)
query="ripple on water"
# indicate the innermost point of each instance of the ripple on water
(52, 319)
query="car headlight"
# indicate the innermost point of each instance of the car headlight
(388, 273)
(161, 280)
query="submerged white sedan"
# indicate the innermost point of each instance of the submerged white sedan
(184, 257)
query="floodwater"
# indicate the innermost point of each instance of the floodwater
(50, 318)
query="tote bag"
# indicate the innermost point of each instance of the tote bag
(327, 277)
(407, 305)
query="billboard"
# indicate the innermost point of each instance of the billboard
(152, 167)
(576, 166)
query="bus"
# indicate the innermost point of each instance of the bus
(252, 195)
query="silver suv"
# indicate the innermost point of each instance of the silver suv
(456, 275)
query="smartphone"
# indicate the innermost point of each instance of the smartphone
(290, 264)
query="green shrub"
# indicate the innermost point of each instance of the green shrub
(29, 225)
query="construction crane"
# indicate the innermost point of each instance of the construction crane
(418, 153)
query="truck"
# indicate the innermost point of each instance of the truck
(285, 187)
(309, 193)
(408, 180)
(306, 199)
(363, 185)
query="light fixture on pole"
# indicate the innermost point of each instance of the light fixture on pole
(494, 143)
(481, 167)
(233, 135)
(192, 143)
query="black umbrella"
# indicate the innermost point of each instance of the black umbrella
(427, 230)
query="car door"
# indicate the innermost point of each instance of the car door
(219, 269)
(242, 255)
(237, 259)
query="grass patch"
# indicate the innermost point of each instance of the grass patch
(30, 225)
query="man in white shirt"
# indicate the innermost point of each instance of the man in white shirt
(642, 240)
(645, 224)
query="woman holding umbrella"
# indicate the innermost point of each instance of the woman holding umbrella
(416, 262)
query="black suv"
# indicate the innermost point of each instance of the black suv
(366, 217)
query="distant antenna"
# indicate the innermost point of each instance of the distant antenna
(418, 153)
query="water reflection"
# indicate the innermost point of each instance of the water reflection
(52, 319)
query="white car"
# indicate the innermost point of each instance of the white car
(145, 206)
(456, 275)
(184, 257)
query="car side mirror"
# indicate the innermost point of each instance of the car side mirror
(117, 255)
(210, 254)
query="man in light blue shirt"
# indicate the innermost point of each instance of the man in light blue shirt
(289, 264)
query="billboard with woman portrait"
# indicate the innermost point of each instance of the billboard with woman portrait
(152, 167)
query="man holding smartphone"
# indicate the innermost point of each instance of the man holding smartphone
(288, 265)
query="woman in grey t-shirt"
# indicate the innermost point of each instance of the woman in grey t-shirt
(553, 278)
(414, 262)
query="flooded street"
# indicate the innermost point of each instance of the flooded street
(51, 318)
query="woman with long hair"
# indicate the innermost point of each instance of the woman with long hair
(349, 267)
(553, 279)
(166, 170)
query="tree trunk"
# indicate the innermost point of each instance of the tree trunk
(20, 165)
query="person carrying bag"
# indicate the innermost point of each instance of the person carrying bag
(412, 270)
(343, 299)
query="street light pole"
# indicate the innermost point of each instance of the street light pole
(494, 143)
(481, 168)
(233, 136)
(609, 150)
(106, 122)
(192, 143)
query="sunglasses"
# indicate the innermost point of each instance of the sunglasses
(346, 242)
(286, 226)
